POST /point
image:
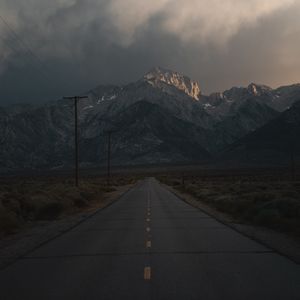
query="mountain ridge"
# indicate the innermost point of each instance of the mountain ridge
(178, 127)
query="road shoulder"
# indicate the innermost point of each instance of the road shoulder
(276, 241)
(18, 245)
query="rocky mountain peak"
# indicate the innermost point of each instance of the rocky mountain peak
(258, 89)
(160, 75)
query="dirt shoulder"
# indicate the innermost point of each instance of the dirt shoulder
(280, 242)
(37, 233)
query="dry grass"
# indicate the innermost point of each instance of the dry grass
(24, 201)
(251, 200)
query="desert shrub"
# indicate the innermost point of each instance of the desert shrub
(11, 202)
(73, 195)
(249, 199)
(49, 211)
(262, 187)
(80, 202)
(267, 216)
(107, 189)
(33, 204)
(288, 208)
(176, 183)
(290, 193)
(9, 221)
(229, 204)
(46, 199)
(87, 195)
(260, 197)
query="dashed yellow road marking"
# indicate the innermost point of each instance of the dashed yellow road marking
(148, 244)
(147, 273)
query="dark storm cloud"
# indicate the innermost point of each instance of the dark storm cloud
(81, 44)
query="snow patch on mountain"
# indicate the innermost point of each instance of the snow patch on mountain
(106, 98)
(88, 107)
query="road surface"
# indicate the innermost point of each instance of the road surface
(151, 245)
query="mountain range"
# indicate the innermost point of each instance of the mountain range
(161, 118)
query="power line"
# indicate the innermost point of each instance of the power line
(26, 47)
(21, 42)
(18, 52)
(10, 45)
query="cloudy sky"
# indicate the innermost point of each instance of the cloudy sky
(50, 48)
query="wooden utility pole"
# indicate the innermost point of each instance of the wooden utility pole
(76, 99)
(293, 121)
(292, 159)
(108, 156)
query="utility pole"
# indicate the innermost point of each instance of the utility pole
(108, 156)
(293, 167)
(183, 180)
(293, 121)
(76, 99)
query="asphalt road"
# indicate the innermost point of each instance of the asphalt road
(151, 245)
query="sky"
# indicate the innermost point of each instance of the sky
(52, 48)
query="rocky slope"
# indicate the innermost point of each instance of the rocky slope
(275, 143)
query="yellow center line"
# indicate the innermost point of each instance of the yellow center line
(147, 273)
